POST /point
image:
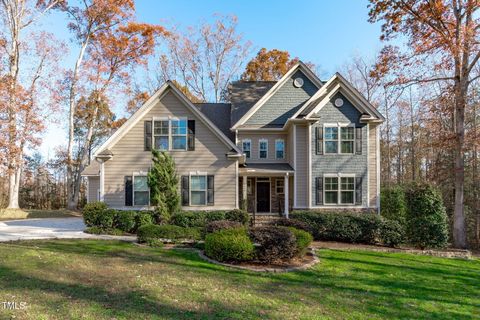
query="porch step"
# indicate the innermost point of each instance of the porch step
(263, 220)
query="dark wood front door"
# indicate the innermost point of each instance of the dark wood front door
(263, 196)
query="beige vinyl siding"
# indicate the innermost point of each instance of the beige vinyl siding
(372, 164)
(209, 156)
(271, 137)
(301, 166)
(290, 144)
(93, 187)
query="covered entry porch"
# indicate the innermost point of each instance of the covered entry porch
(266, 188)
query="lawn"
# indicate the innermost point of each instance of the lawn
(66, 279)
(9, 214)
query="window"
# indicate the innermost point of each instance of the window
(342, 143)
(198, 190)
(246, 147)
(347, 190)
(339, 193)
(347, 138)
(331, 190)
(280, 186)
(263, 149)
(170, 134)
(280, 149)
(160, 135)
(141, 192)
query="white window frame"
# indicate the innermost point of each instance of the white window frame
(197, 174)
(276, 150)
(260, 148)
(139, 174)
(282, 186)
(339, 140)
(249, 141)
(339, 177)
(170, 134)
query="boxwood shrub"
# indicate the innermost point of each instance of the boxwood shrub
(125, 220)
(393, 204)
(392, 233)
(215, 226)
(153, 231)
(229, 245)
(274, 243)
(303, 240)
(297, 224)
(106, 219)
(143, 218)
(189, 219)
(238, 215)
(92, 211)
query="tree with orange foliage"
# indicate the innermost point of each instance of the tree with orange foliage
(109, 43)
(27, 63)
(442, 45)
(269, 65)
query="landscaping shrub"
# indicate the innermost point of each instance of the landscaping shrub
(275, 243)
(229, 245)
(92, 211)
(211, 216)
(125, 220)
(297, 224)
(143, 218)
(344, 227)
(189, 219)
(153, 231)
(393, 204)
(98, 230)
(303, 240)
(241, 216)
(215, 226)
(392, 233)
(106, 219)
(426, 217)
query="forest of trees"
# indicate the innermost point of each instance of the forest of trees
(424, 81)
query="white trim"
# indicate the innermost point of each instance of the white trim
(298, 66)
(236, 186)
(377, 132)
(149, 104)
(276, 190)
(276, 150)
(295, 165)
(260, 150)
(286, 195)
(197, 174)
(368, 163)
(250, 144)
(102, 181)
(309, 165)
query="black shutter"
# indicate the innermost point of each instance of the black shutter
(318, 140)
(210, 190)
(191, 135)
(358, 190)
(358, 140)
(185, 191)
(128, 191)
(148, 135)
(319, 190)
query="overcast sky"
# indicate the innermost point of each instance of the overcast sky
(327, 33)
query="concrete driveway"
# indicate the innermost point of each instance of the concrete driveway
(50, 228)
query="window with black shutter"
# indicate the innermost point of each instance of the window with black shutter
(318, 140)
(358, 190)
(358, 140)
(319, 190)
(128, 191)
(210, 190)
(191, 135)
(185, 190)
(147, 135)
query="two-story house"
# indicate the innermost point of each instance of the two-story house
(297, 143)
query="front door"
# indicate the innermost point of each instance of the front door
(263, 196)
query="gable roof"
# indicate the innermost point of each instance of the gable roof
(149, 104)
(298, 66)
(337, 83)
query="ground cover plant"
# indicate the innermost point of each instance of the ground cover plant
(87, 279)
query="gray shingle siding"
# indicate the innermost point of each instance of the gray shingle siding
(340, 163)
(284, 103)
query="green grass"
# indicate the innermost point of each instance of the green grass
(10, 214)
(115, 280)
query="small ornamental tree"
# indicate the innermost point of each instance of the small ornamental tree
(427, 225)
(163, 183)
